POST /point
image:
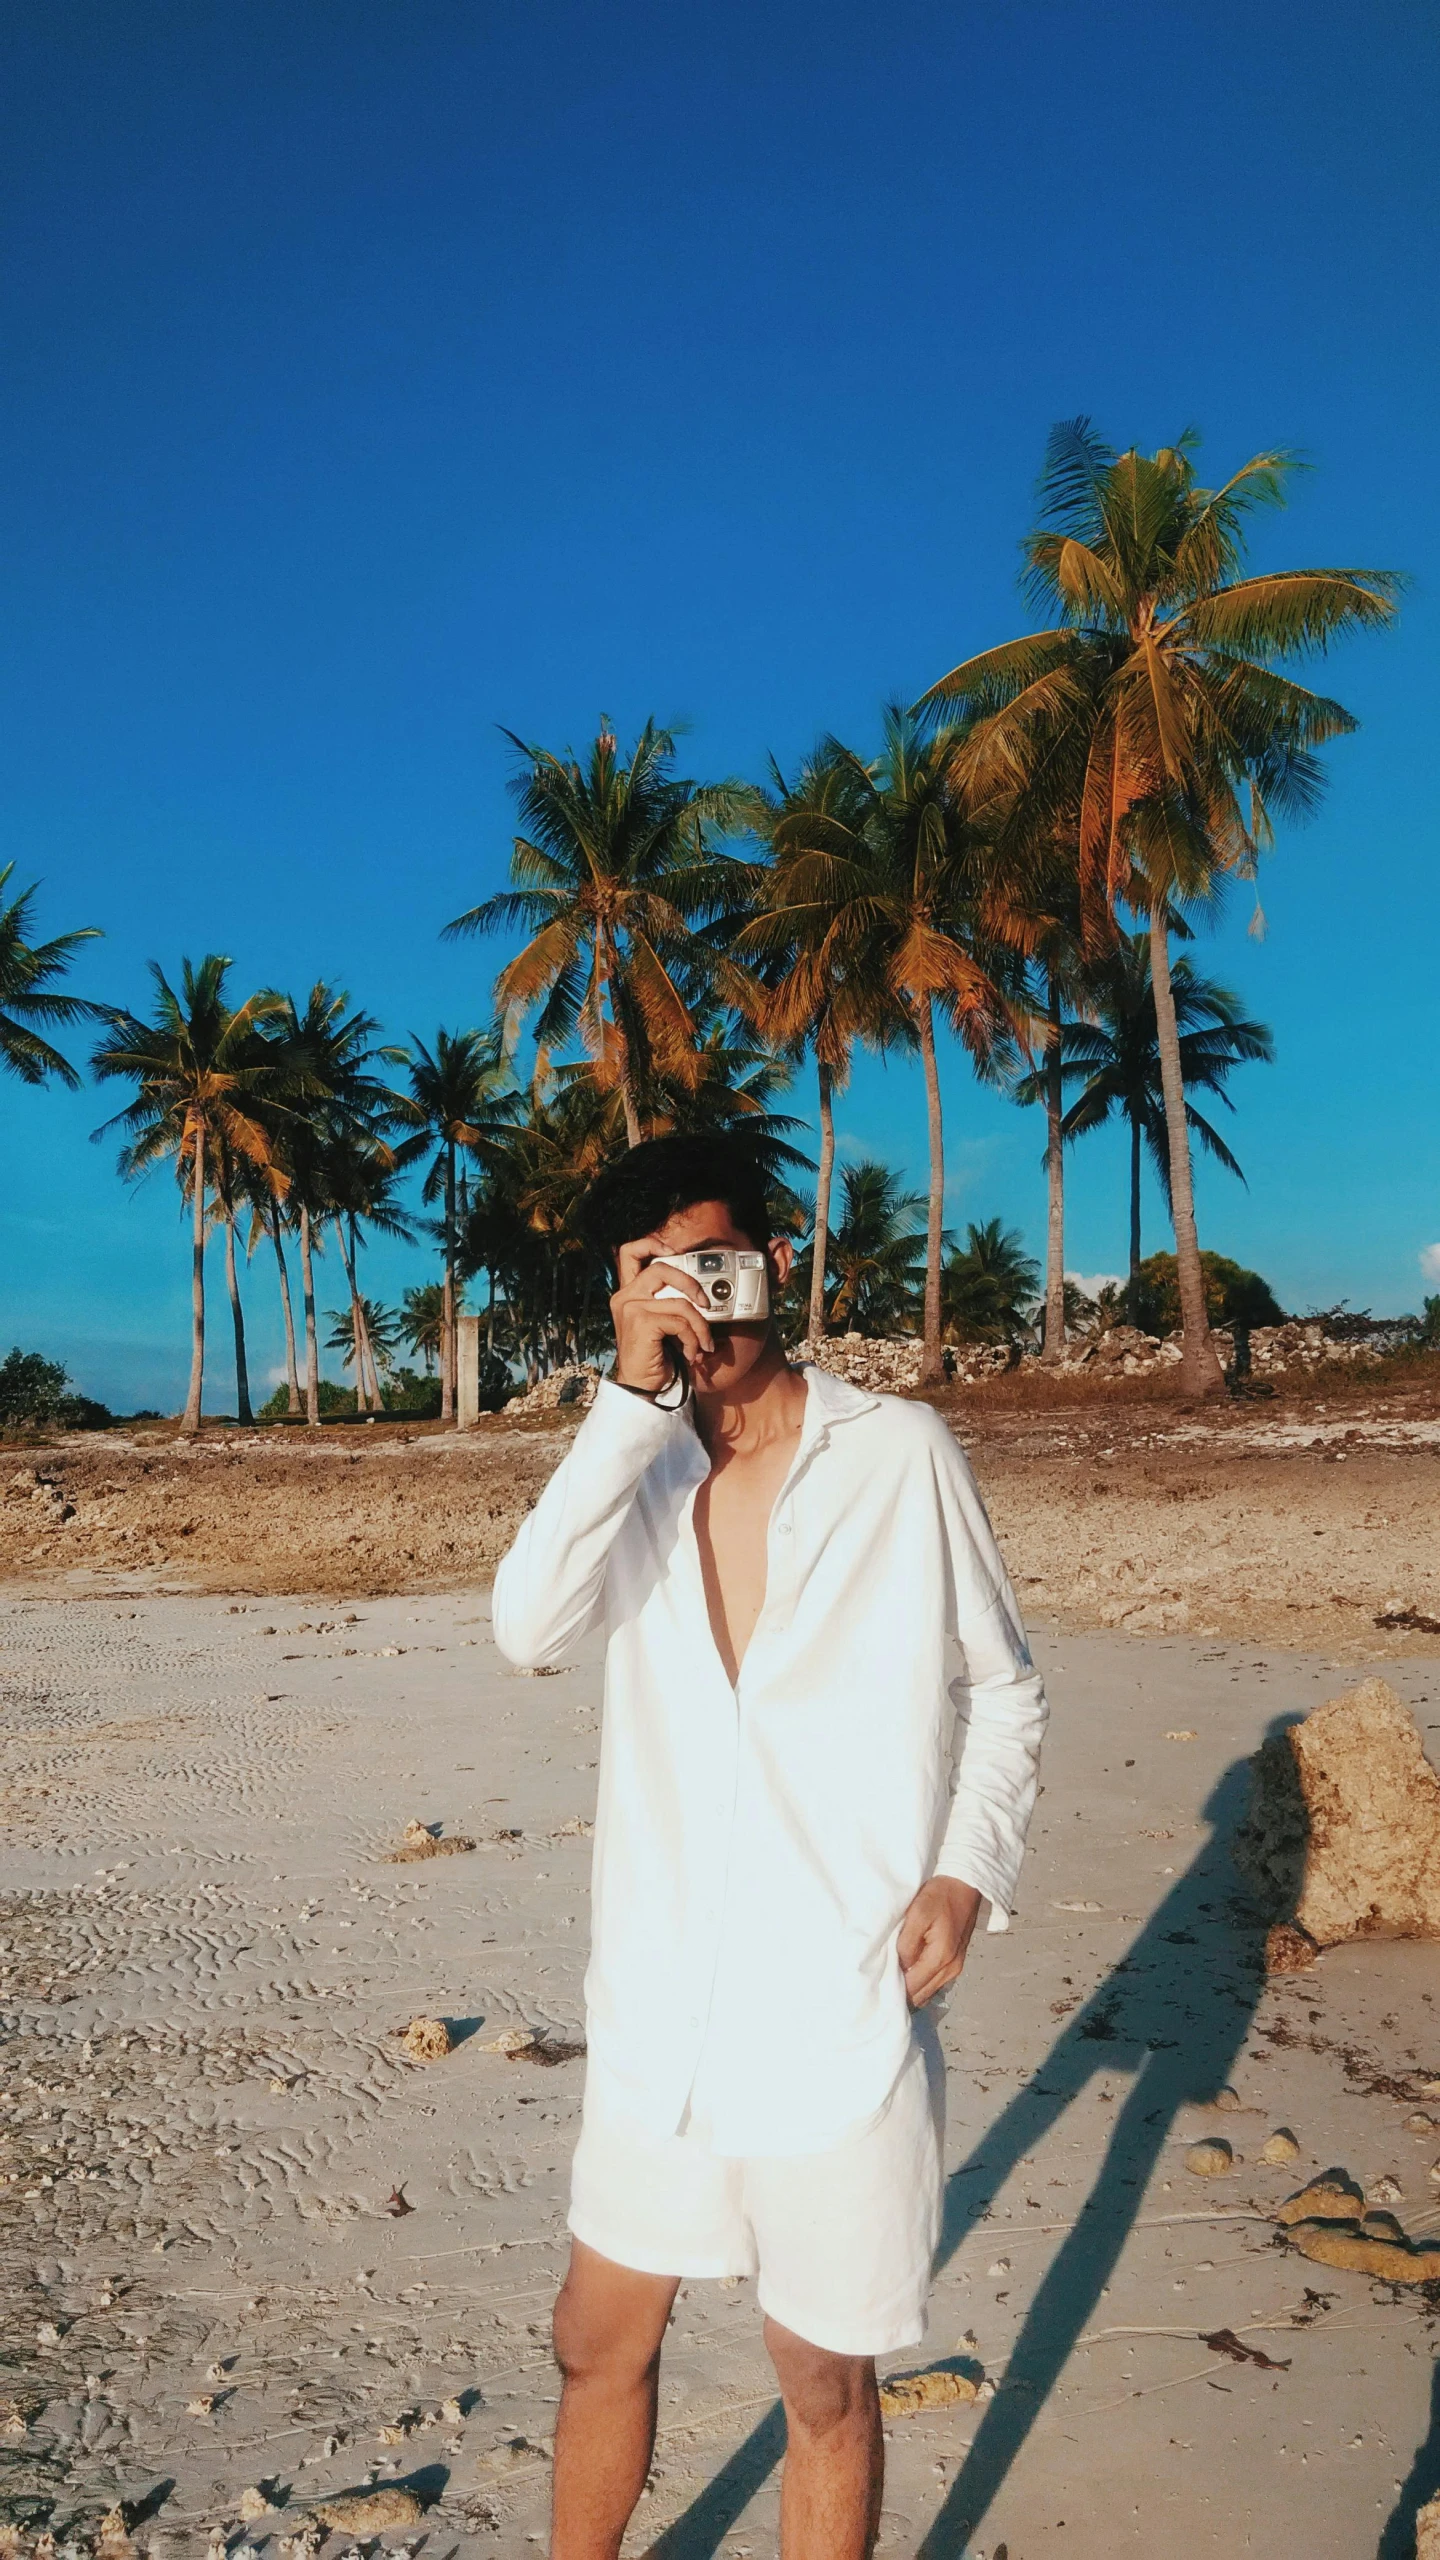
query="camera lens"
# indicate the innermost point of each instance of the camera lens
(721, 1289)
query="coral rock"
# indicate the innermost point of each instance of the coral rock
(1288, 1950)
(427, 2039)
(1342, 1834)
(1279, 2148)
(1332, 2197)
(940, 2388)
(369, 2510)
(1367, 2251)
(1209, 2159)
(1427, 2532)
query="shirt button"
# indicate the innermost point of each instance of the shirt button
(783, 1531)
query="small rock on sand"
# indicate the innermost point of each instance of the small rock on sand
(1288, 1950)
(427, 2039)
(369, 2510)
(940, 2388)
(1332, 2197)
(1279, 2147)
(1209, 2159)
(417, 1840)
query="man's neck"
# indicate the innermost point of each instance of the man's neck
(768, 1403)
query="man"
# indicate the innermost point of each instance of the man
(821, 1734)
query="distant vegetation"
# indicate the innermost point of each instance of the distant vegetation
(679, 948)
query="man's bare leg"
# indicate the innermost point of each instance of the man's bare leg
(835, 2452)
(609, 2329)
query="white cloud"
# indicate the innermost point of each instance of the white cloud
(1430, 1262)
(1093, 1282)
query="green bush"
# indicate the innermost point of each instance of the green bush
(36, 1392)
(333, 1399)
(1233, 1295)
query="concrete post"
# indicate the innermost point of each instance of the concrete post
(467, 1385)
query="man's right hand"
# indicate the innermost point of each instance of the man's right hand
(645, 1323)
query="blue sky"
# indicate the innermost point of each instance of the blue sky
(376, 375)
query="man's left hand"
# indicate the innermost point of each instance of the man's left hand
(934, 1936)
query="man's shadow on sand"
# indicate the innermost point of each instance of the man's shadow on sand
(1174, 2012)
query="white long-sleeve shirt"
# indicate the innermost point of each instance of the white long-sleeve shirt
(756, 1846)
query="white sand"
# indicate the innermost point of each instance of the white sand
(194, 1812)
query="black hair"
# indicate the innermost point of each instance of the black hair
(654, 1181)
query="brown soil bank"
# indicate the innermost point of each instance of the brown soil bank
(1305, 1520)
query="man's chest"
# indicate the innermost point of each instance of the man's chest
(732, 1516)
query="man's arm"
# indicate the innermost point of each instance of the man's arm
(1000, 1717)
(551, 1585)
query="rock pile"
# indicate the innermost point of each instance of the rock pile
(571, 1388)
(891, 1366)
(1341, 1838)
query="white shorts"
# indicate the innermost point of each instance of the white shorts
(842, 2241)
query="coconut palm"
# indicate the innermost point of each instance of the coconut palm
(327, 1063)
(615, 869)
(28, 994)
(368, 1335)
(803, 987)
(1115, 1058)
(876, 1251)
(990, 1285)
(205, 1089)
(422, 1322)
(918, 929)
(462, 1095)
(1157, 714)
(358, 1177)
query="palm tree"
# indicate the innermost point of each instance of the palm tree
(462, 1095)
(367, 1334)
(422, 1322)
(1115, 1058)
(809, 991)
(326, 1060)
(28, 972)
(916, 919)
(990, 1285)
(203, 1090)
(876, 1252)
(615, 868)
(358, 1175)
(1157, 715)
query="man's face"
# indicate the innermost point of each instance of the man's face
(737, 1346)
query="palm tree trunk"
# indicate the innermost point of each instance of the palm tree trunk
(312, 1343)
(448, 1343)
(372, 1370)
(1200, 1370)
(357, 1321)
(932, 1368)
(292, 1378)
(820, 1248)
(237, 1318)
(191, 1420)
(608, 971)
(1055, 1174)
(1132, 1294)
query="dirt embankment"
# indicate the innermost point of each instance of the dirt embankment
(1302, 1521)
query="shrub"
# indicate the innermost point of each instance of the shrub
(333, 1399)
(1233, 1295)
(35, 1392)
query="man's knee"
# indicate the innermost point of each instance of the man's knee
(604, 2331)
(821, 2391)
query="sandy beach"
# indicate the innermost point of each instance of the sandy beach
(250, 2245)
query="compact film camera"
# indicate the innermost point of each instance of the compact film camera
(736, 1285)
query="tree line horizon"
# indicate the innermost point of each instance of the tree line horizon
(685, 947)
